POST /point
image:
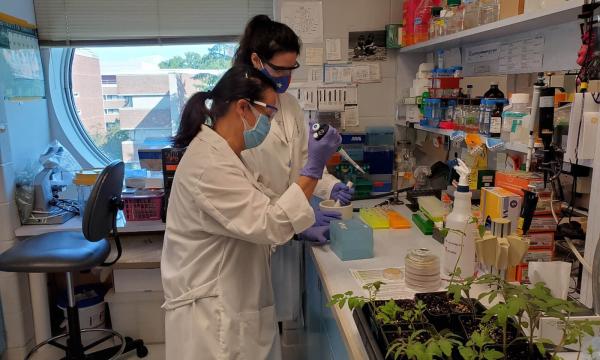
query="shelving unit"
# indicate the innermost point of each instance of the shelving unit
(517, 147)
(526, 22)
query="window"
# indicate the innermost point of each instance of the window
(132, 97)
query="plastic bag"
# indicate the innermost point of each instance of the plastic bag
(56, 156)
(24, 193)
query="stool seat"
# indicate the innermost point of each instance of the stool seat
(63, 251)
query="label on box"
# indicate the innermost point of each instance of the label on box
(542, 224)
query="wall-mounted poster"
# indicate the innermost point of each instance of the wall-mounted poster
(367, 46)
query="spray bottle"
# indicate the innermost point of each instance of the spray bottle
(459, 248)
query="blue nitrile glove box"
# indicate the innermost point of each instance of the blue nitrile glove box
(351, 239)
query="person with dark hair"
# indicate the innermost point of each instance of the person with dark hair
(221, 224)
(273, 48)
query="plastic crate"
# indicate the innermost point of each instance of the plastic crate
(380, 135)
(142, 207)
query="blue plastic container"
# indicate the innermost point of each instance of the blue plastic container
(381, 183)
(356, 152)
(380, 135)
(380, 159)
(354, 138)
(433, 112)
(351, 239)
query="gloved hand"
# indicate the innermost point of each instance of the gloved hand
(319, 151)
(342, 193)
(323, 218)
(317, 235)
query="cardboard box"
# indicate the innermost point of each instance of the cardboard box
(541, 224)
(516, 181)
(541, 240)
(497, 202)
(510, 8)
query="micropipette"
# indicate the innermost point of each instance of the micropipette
(320, 130)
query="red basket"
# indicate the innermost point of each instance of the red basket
(142, 207)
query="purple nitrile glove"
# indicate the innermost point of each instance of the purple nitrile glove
(317, 235)
(323, 218)
(319, 151)
(342, 193)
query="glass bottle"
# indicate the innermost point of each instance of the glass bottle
(436, 26)
(471, 117)
(454, 17)
(493, 92)
(495, 120)
(470, 14)
(488, 11)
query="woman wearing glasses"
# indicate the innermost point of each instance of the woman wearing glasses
(222, 223)
(273, 48)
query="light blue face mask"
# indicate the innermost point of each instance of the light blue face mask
(255, 136)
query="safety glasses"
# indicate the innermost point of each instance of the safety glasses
(281, 70)
(271, 110)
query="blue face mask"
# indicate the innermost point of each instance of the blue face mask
(255, 136)
(281, 82)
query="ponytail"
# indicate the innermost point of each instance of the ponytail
(239, 82)
(194, 115)
(265, 37)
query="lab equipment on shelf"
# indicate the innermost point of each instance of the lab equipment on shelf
(514, 127)
(436, 25)
(488, 11)
(454, 17)
(351, 239)
(433, 112)
(470, 14)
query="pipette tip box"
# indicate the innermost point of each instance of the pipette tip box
(351, 239)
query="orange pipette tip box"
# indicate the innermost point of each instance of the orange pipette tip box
(398, 221)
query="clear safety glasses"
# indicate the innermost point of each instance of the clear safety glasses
(271, 110)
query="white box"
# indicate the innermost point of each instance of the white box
(138, 314)
(132, 280)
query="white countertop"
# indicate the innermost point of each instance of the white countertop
(390, 247)
(74, 224)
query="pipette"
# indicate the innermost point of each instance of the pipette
(319, 130)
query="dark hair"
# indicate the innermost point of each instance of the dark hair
(239, 82)
(265, 37)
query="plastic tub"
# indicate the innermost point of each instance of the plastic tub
(344, 211)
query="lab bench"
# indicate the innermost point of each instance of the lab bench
(332, 332)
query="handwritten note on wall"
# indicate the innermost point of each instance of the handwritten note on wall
(305, 18)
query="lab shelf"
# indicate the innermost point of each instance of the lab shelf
(517, 147)
(517, 24)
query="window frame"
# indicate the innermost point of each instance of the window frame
(65, 124)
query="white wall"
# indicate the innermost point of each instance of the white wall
(26, 135)
(376, 101)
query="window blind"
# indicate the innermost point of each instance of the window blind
(93, 22)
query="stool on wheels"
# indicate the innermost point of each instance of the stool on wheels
(69, 252)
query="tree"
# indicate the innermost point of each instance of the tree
(219, 57)
(208, 81)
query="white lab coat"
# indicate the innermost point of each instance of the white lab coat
(215, 260)
(276, 164)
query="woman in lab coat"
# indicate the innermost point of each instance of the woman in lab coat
(273, 48)
(221, 224)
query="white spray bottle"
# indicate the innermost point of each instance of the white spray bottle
(459, 249)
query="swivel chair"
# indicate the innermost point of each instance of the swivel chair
(68, 252)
